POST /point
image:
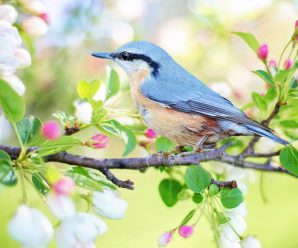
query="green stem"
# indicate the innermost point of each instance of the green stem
(22, 175)
(282, 53)
(23, 150)
(268, 70)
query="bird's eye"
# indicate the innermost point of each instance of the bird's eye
(124, 56)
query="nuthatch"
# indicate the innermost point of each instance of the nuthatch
(175, 103)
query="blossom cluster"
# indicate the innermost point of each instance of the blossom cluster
(32, 229)
(12, 55)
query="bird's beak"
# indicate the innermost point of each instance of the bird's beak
(102, 55)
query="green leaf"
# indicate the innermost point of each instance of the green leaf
(94, 176)
(264, 76)
(196, 178)
(87, 90)
(231, 198)
(83, 179)
(114, 127)
(163, 144)
(113, 83)
(270, 95)
(197, 198)
(39, 184)
(188, 217)
(213, 189)
(259, 101)
(62, 144)
(7, 174)
(289, 123)
(12, 103)
(64, 118)
(221, 218)
(29, 129)
(289, 159)
(250, 40)
(169, 190)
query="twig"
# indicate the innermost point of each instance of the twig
(225, 184)
(155, 160)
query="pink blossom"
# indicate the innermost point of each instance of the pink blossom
(288, 64)
(165, 239)
(64, 186)
(51, 130)
(45, 17)
(263, 52)
(99, 141)
(273, 63)
(185, 231)
(296, 24)
(150, 133)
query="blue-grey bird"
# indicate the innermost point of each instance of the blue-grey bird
(176, 104)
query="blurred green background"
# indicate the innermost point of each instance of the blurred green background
(198, 35)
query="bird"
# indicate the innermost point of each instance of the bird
(176, 104)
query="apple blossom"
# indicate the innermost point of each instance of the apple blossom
(185, 231)
(79, 230)
(83, 112)
(14, 83)
(273, 63)
(30, 227)
(99, 141)
(150, 133)
(165, 239)
(23, 56)
(8, 13)
(250, 242)
(35, 26)
(35, 7)
(226, 243)
(60, 205)
(288, 64)
(108, 204)
(64, 186)
(51, 130)
(263, 52)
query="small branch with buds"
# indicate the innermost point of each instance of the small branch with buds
(155, 160)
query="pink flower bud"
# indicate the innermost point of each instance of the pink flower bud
(263, 52)
(185, 231)
(165, 239)
(296, 24)
(273, 63)
(288, 64)
(99, 141)
(150, 133)
(50, 130)
(64, 186)
(45, 17)
(35, 26)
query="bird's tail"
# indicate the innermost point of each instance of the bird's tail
(265, 132)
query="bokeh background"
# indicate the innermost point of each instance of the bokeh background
(198, 34)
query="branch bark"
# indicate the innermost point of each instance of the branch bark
(154, 160)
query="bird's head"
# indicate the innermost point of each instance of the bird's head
(138, 55)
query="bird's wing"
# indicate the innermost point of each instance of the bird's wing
(190, 95)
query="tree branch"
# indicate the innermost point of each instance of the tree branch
(154, 160)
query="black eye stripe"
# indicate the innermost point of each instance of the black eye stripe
(126, 56)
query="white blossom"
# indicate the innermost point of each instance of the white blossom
(15, 83)
(61, 206)
(36, 7)
(226, 243)
(109, 204)
(80, 231)
(236, 226)
(35, 26)
(8, 13)
(30, 227)
(10, 40)
(23, 56)
(250, 242)
(83, 112)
